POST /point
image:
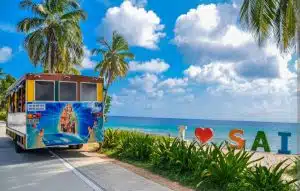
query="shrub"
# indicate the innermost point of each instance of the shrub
(207, 155)
(269, 179)
(226, 168)
(111, 138)
(176, 155)
(136, 146)
(183, 156)
(3, 115)
(294, 170)
(206, 167)
(161, 153)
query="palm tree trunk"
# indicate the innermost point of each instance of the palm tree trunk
(104, 101)
(106, 90)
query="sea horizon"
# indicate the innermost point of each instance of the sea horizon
(229, 120)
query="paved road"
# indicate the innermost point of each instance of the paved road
(64, 170)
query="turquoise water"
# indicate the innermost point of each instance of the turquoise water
(168, 126)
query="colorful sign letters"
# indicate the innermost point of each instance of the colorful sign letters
(237, 141)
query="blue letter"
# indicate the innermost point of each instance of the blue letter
(284, 142)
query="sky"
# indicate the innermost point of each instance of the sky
(193, 59)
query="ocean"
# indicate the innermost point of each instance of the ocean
(169, 126)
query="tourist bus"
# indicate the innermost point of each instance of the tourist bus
(48, 110)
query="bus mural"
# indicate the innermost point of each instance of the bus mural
(66, 123)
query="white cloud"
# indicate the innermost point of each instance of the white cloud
(127, 92)
(226, 80)
(7, 27)
(145, 82)
(156, 94)
(116, 100)
(212, 73)
(155, 87)
(139, 26)
(260, 87)
(188, 98)
(228, 59)
(152, 66)
(217, 38)
(87, 62)
(174, 82)
(228, 76)
(193, 20)
(5, 54)
(177, 90)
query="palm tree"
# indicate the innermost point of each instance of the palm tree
(5, 83)
(54, 38)
(114, 63)
(68, 70)
(280, 18)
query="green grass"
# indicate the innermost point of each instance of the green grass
(201, 167)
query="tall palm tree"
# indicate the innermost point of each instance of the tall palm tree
(68, 70)
(114, 59)
(54, 38)
(278, 18)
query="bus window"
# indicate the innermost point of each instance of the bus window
(44, 91)
(67, 91)
(88, 92)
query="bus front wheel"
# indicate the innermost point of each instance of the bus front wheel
(18, 148)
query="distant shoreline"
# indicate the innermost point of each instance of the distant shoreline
(225, 120)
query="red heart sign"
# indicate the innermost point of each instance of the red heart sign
(204, 134)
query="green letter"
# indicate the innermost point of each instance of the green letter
(261, 141)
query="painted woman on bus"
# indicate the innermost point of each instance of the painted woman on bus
(68, 120)
(72, 119)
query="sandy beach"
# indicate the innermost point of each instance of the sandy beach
(271, 159)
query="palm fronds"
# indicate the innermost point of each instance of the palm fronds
(54, 38)
(271, 18)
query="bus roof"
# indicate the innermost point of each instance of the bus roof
(53, 77)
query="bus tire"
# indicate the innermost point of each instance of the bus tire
(18, 148)
(71, 146)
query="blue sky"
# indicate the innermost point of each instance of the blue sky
(193, 60)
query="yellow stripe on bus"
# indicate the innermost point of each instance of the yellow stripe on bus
(99, 92)
(30, 90)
